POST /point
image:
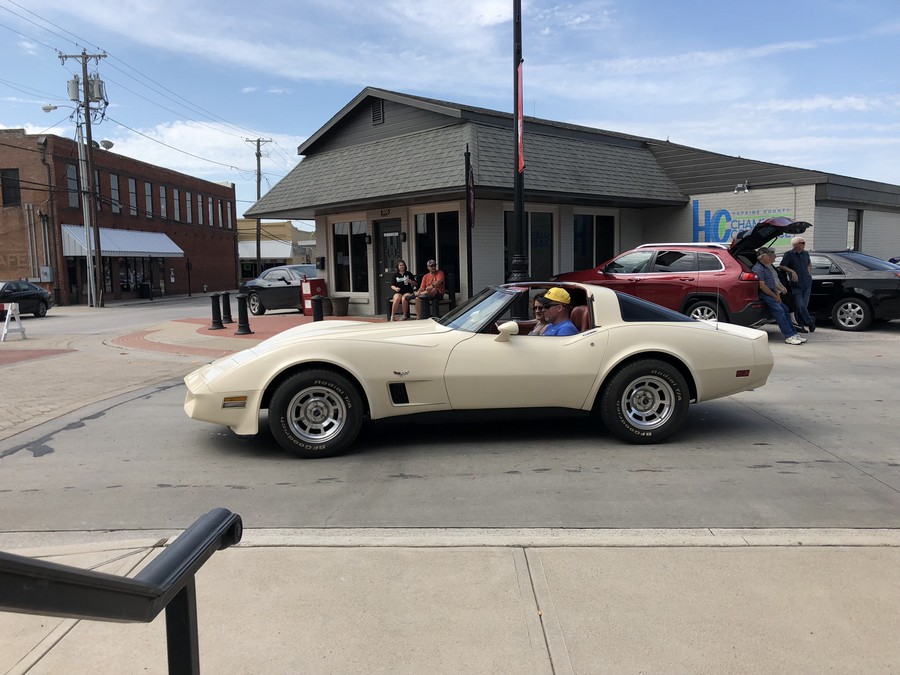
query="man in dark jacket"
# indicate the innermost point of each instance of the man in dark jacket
(799, 268)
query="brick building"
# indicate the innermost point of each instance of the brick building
(160, 231)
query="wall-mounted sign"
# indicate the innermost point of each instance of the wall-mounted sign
(720, 225)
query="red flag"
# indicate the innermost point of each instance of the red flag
(520, 121)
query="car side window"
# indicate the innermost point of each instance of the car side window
(634, 262)
(822, 265)
(674, 261)
(707, 262)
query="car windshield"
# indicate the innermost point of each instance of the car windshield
(870, 262)
(478, 312)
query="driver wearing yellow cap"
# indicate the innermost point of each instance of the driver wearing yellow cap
(557, 304)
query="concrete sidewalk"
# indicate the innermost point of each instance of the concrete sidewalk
(483, 601)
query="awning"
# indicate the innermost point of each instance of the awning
(269, 249)
(121, 243)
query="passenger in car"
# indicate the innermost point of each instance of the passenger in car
(538, 308)
(557, 304)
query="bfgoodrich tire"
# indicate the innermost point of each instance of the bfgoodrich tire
(316, 413)
(645, 402)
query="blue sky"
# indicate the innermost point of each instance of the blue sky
(805, 83)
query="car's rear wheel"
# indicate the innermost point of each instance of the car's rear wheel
(254, 304)
(316, 413)
(41, 309)
(645, 401)
(704, 310)
(851, 314)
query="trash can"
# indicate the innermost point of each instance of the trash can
(341, 306)
(309, 288)
(145, 290)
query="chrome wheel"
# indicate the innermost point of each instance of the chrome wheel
(316, 414)
(648, 402)
(703, 311)
(254, 304)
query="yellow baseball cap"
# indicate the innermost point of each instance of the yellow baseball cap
(559, 295)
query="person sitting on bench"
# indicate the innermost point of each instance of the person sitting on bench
(432, 287)
(404, 288)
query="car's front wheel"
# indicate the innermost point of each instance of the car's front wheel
(704, 310)
(316, 413)
(851, 314)
(255, 305)
(645, 401)
(41, 309)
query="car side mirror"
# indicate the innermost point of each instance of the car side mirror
(506, 329)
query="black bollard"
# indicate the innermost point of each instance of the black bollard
(318, 314)
(226, 307)
(243, 320)
(216, 313)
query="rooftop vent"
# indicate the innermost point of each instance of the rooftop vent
(377, 111)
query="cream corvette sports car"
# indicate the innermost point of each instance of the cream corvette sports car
(635, 365)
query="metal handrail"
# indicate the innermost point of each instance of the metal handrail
(32, 586)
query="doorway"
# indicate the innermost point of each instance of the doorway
(388, 250)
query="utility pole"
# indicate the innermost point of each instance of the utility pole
(94, 90)
(519, 262)
(259, 142)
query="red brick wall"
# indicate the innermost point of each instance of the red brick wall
(211, 248)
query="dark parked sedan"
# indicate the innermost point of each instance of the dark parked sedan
(32, 299)
(853, 289)
(277, 288)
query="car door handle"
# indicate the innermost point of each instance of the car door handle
(685, 278)
(829, 284)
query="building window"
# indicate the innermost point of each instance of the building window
(437, 238)
(163, 207)
(228, 212)
(351, 260)
(72, 185)
(148, 199)
(854, 229)
(199, 209)
(221, 221)
(115, 205)
(594, 240)
(188, 207)
(10, 195)
(537, 247)
(176, 204)
(209, 204)
(132, 196)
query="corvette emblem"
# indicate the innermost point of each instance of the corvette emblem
(401, 373)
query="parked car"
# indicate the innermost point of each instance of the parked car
(634, 365)
(32, 299)
(277, 288)
(852, 289)
(705, 281)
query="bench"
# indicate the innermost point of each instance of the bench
(434, 307)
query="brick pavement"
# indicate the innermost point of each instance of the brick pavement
(45, 377)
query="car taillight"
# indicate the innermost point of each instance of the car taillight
(749, 276)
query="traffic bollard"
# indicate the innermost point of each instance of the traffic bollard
(243, 320)
(318, 314)
(216, 313)
(226, 307)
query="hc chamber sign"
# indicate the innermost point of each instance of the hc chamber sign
(721, 226)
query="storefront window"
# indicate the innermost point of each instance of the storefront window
(351, 261)
(437, 238)
(538, 245)
(594, 238)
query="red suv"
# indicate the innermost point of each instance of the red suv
(704, 281)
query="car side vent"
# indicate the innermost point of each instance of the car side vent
(378, 111)
(398, 393)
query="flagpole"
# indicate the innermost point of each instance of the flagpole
(470, 217)
(519, 263)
